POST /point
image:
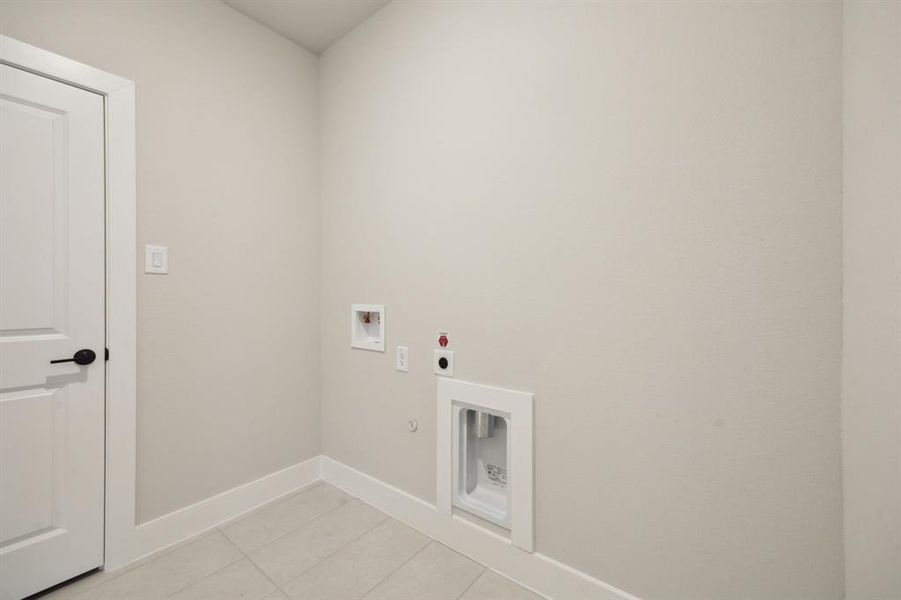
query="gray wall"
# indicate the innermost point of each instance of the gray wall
(228, 352)
(632, 210)
(871, 396)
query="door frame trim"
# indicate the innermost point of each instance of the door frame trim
(121, 280)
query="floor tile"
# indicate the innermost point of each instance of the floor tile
(77, 587)
(436, 573)
(240, 580)
(276, 596)
(359, 566)
(289, 556)
(170, 572)
(491, 586)
(274, 521)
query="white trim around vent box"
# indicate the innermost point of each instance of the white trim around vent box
(518, 405)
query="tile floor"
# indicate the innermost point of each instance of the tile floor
(317, 544)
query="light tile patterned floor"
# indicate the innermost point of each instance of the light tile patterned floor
(318, 544)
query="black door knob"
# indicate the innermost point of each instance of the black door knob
(82, 357)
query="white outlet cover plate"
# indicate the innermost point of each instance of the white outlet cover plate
(449, 355)
(401, 359)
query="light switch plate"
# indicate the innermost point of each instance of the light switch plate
(156, 259)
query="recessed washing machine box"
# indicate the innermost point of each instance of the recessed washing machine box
(480, 479)
(485, 455)
(367, 326)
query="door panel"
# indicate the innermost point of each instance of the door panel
(34, 198)
(27, 444)
(51, 305)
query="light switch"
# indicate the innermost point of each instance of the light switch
(156, 259)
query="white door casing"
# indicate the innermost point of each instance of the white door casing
(51, 305)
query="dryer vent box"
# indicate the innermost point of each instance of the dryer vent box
(480, 473)
(484, 454)
(367, 327)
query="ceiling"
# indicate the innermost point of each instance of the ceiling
(312, 24)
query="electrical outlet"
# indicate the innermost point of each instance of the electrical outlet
(400, 359)
(443, 363)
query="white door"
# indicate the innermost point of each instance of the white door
(51, 306)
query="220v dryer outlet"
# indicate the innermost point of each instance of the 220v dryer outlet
(444, 363)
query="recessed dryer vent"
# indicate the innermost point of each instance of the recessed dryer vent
(480, 482)
(485, 455)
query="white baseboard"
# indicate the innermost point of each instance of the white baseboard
(535, 571)
(174, 527)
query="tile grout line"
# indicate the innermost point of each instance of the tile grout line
(412, 556)
(158, 554)
(270, 505)
(383, 521)
(137, 564)
(255, 565)
(316, 518)
(266, 506)
(240, 558)
(479, 576)
(153, 557)
(398, 568)
(230, 541)
(540, 595)
(431, 539)
(269, 579)
(473, 582)
(325, 558)
(485, 568)
(242, 555)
